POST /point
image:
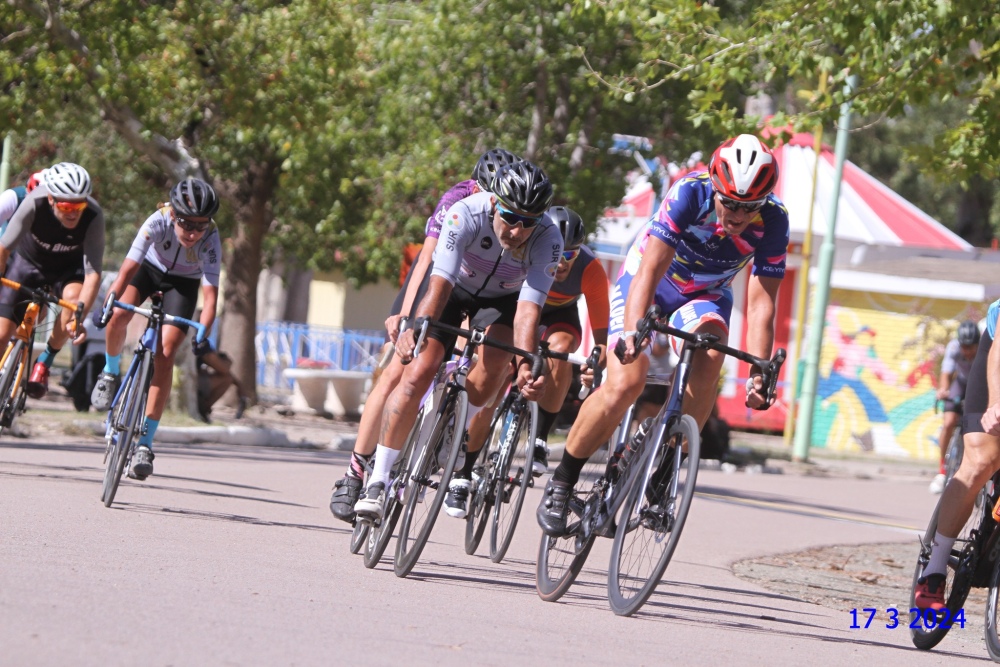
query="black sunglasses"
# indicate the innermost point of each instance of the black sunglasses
(191, 226)
(734, 205)
(515, 219)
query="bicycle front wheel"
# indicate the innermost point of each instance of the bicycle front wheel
(953, 457)
(958, 577)
(14, 366)
(428, 483)
(653, 517)
(485, 481)
(992, 637)
(513, 479)
(561, 559)
(126, 419)
(359, 536)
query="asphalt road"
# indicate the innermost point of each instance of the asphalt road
(230, 556)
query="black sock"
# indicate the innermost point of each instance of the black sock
(546, 420)
(569, 468)
(358, 463)
(470, 463)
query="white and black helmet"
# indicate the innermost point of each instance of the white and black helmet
(194, 198)
(523, 188)
(67, 181)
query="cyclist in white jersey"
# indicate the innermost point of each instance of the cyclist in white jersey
(493, 253)
(176, 250)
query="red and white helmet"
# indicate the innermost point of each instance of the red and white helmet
(743, 169)
(33, 182)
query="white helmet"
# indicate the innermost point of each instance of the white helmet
(67, 181)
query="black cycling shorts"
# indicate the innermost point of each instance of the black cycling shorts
(462, 304)
(977, 392)
(13, 304)
(180, 294)
(566, 319)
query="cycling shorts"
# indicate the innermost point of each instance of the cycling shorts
(565, 319)
(180, 294)
(687, 311)
(977, 392)
(13, 304)
(462, 304)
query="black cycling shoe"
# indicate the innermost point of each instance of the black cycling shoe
(551, 513)
(346, 491)
(104, 391)
(142, 463)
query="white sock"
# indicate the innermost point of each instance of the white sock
(473, 411)
(384, 460)
(940, 552)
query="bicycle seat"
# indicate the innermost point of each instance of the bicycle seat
(484, 318)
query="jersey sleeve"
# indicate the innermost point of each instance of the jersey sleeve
(677, 212)
(8, 204)
(455, 194)
(93, 246)
(211, 260)
(770, 255)
(543, 261)
(950, 361)
(594, 283)
(20, 223)
(145, 238)
(457, 233)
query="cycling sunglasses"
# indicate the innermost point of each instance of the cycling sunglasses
(570, 255)
(70, 206)
(515, 219)
(734, 205)
(192, 226)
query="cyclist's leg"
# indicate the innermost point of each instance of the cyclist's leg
(12, 305)
(562, 337)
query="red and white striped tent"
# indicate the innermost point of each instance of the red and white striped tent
(869, 214)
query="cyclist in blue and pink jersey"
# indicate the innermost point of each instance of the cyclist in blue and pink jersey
(711, 225)
(496, 251)
(347, 489)
(178, 252)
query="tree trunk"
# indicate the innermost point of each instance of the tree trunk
(583, 138)
(973, 216)
(538, 113)
(238, 327)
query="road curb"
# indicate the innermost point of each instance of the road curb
(226, 435)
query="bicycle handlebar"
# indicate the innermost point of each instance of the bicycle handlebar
(41, 295)
(769, 368)
(111, 302)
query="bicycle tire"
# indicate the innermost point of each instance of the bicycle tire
(561, 559)
(379, 535)
(484, 493)
(8, 392)
(953, 457)
(359, 536)
(516, 486)
(992, 600)
(636, 520)
(134, 399)
(454, 412)
(958, 581)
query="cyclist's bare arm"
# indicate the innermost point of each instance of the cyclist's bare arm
(209, 299)
(762, 295)
(417, 273)
(655, 261)
(526, 337)
(991, 419)
(431, 306)
(125, 274)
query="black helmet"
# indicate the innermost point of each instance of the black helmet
(488, 165)
(194, 198)
(968, 333)
(570, 224)
(523, 188)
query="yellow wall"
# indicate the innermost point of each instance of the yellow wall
(334, 302)
(878, 371)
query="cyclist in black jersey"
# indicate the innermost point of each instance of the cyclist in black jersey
(176, 252)
(55, 238)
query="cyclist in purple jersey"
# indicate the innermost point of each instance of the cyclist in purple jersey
(56, 236)
(347, 489)
(710, 226)
(494, 252)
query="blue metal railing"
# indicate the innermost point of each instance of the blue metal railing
(281, 345)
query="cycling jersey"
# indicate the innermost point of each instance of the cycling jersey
(454, 194)
(586, 278)
(157, 234)
(36, 234)
(706, 256)
(469, 255)
(956, 362)
(9, 201)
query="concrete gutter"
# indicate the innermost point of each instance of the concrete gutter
(227, 435)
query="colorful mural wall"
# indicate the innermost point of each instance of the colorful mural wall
(879, 369)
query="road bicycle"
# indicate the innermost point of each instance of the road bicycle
(956, 446)
(125, 416)
(974, 562)
(498, 488)
(359, 536)
(433, 459)
(650, 477)
(15, 366)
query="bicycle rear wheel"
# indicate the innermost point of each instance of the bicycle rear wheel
(381, 532)
(359, 536)
(958, 577)
(126, 419)
(652, 519)
(992, 601)
(561, 559)
(13, 366)
(484, 492)
(513, 486)
(424, 494)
